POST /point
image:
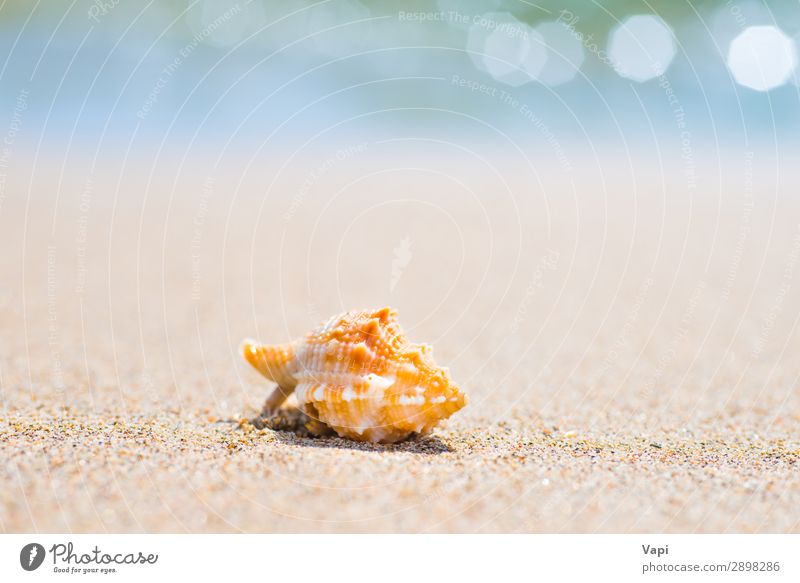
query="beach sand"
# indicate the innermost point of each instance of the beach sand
(631, 359)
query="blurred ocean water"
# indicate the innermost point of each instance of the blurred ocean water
(241, 74)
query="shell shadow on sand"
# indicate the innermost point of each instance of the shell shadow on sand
(422, 445)
(289, 425)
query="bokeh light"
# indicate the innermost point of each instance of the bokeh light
(762, 58)
(730, 20)
(565, 53)
(642, 47)
(509, 50)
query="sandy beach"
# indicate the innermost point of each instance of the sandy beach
(631, 359)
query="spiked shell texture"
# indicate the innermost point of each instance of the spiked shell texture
(358, 375)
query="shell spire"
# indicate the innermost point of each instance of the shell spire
(358, 375)
(276, 362)
(273, 361)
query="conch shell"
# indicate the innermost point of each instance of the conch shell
(358, 375)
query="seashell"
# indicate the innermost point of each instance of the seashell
(358, 375)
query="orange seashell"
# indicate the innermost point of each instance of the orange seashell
(358, 375)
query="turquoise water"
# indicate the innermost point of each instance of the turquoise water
(99, 75)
